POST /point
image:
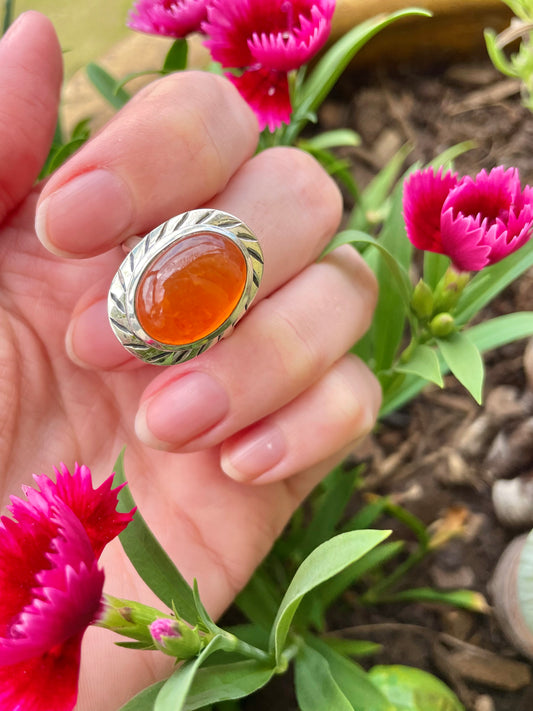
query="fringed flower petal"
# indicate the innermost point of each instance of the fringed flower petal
(169, 18)
(267, 93)
(424, 194)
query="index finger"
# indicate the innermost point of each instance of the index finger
(172, 147)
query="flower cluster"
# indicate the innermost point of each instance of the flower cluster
(474, 221)
(51, 585)
(264, 40)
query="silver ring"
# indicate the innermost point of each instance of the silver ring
(185, 286)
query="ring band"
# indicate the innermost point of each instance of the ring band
(185, 286)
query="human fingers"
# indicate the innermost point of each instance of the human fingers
(287, 200)
(337, 410)
(171, 148)
(285, 345)
(30, 80)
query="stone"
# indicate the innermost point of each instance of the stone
(191, 288)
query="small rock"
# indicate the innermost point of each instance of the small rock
(463, 577)
(484, 703)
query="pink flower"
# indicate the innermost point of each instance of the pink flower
(51, 586)
(267, 39)
(474, 221)
(171, 18)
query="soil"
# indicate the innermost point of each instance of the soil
(421, 455)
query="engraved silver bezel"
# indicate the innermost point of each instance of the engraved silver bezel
(121, 298)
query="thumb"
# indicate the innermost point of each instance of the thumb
(30, 82)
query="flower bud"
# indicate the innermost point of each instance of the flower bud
(422, 300)
(174, 637)
(449, 289)
(127, 618)
(442, 325)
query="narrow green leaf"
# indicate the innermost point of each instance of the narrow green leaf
(332, 506)
(260, 599)
(63, 153)
(334, 588)
(332, 139)
(525, 581)
(466, 599)
(330, 67)
(202, 615)
(148, 557)
(174, 692)
(352, 647)
(225, 682)
(145, 699)
(377, 191)
(396, 270)
(353, 680)
(489, 282)
(9, 9)
(411, 689)
(176, 59)
(464, 360)
(323, 563)
(107, 86)
(316, 689)
(366, 516)
(333, 166)
(423, 362)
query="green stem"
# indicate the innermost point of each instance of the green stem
(247, 650)
(375, 593)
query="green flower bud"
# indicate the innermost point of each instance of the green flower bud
(442, 325)
(176, 638)
(449, 289)
(128, 618)
(422, 300)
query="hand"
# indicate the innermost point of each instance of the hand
(277, 403)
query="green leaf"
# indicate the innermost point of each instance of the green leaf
(423, 362)
(489, 282)
(333, 589)
(411, 689)
(323, 563)
(260, 599)
(434, 267)
(332, 506)
(9, 8)
(487, 335)
(202, 615)
(174, 692)
(501, 330)
(332, 139)
(366, 516)
(63, 153)
(525, 581)
(148, 557)
(464, 360)
(466, 599)
(176, 59)
(224, 682)
(107, 86)
(330, 67)
(377, 191)
(352, 647)
(396, 270)
(316, 689)
(145, 699)
(353, 680)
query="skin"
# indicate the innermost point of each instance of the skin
(220, 450)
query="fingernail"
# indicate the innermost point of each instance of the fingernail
(90, 343)
(255, 453)
(183, 410)
(85, 216)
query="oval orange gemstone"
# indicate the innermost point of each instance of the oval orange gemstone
(190, 289)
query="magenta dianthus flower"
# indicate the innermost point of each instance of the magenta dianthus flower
(267, 39)
(474, 221)
(170, 18)
(51, 586)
